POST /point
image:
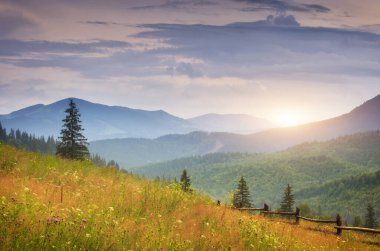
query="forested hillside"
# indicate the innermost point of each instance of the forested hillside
(310, 165)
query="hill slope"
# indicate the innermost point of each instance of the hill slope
(363, 118)
(304, 166)
(234, 123)
(104, 209)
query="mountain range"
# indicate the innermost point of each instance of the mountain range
(135, 137)
(133, 152)
(108, 122)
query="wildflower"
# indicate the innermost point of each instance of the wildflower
(48, 220)
(56, 220)
(88, 235)
(84, 220)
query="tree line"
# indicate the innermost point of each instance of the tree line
(241, 199)
(29, 142)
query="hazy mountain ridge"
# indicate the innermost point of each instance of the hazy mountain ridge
(235, 123)
(109, 122)
(361, 119)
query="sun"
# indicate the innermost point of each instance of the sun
(288, 119)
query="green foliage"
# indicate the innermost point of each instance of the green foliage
(287, 200)
(357, 221)
(185, 181)
(73, 144)
(335, 175)
(370, 218)
(241, 197)
(25, 141)
(306, 210)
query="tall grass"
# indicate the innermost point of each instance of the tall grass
(104, 209)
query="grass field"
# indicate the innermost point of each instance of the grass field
(104, 209)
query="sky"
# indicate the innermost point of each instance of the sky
(288, 61)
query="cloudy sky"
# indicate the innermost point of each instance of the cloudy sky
(290, 61)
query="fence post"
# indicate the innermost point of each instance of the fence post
(297, 215)
(339, 224)
(61, 193)
(266, 207)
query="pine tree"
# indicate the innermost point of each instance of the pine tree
(370, 218)
(287, 200)
(185, 181)
(3, 134)
(73, 144)
(357, 221)
(242, 198)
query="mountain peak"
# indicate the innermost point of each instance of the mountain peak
(369, 107)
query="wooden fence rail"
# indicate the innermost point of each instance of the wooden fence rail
(338, 221)
(359, 229)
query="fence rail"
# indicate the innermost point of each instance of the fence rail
(359, 229)
(338, 221)
(317, 220)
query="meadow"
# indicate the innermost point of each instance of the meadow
(48, 203)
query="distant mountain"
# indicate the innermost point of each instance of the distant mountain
(100, 121)
(363, 118)
(108, 122)
(235, 123)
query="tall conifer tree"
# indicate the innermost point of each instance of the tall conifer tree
(73, 144)
(242, 197)
(185, 181)
(370, 218)
(287, 200)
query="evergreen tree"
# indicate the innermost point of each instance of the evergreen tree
(73, 144)
(3, 134)
(241, 197)
(357, 221)
(370, 218)
(287, 200)
(185, 181)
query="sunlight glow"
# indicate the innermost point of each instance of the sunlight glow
(287, 119)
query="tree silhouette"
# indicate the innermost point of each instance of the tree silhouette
(73, 144)
(241, 197)
(287, 200)
(370, 218)
(185, 181)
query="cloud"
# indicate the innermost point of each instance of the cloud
(187, 69)
(282, 6)
(175, 4)
(20, 47)
(13, 21)
(280, 20)
(276, 46)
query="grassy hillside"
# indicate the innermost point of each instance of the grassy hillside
(304, 166)
(103, 209)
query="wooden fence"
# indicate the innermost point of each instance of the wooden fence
(297, 216)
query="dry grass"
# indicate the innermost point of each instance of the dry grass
(108, 210)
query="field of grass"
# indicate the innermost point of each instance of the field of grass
(104, 209)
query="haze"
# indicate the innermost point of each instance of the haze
(289, 62)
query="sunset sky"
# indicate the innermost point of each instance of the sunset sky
(289, 61)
